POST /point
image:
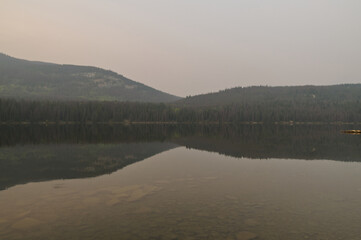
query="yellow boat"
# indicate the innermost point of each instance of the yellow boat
(352, 131)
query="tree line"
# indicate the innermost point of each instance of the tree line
(12, 110)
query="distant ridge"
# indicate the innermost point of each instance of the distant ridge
(40, 80)
(333, 94)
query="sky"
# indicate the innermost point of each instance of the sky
(188, 47)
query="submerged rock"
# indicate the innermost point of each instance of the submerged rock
(244, 235)
(251, 222)
(26, 224)
(130, 193)
(113, 201)
(91, 201)
(23, 214)
(142, 192)
(143, 210)
(2, 221)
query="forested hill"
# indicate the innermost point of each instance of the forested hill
(295, 95)
(39, 80)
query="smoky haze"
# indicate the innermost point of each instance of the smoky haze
(188, 47)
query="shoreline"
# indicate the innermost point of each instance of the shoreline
(290, 123)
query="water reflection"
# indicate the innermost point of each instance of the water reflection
(276, 141)
(38, 153)
(191, 194)
(241, 187)
(252, 141)
(30, 163)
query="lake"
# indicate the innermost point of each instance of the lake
(180, 182)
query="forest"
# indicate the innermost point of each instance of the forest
(267, 111)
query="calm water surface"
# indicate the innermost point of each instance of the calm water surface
(244, 183)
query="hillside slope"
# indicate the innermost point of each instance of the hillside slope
(39, 80)
(338, 94)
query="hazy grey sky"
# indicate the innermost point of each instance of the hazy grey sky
(186, 47)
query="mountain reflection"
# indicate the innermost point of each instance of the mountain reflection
(29, 163)
(39, 153)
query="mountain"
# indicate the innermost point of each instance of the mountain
(334, 94)
(38, 80)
